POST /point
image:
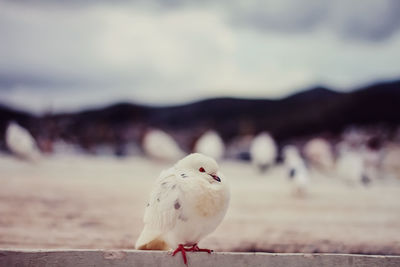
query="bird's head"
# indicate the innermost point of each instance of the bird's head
(201, 165)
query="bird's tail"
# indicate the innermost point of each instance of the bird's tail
(149, 240)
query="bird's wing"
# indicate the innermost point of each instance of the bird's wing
(164, 207)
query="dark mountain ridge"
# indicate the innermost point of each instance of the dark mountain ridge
(315, 111)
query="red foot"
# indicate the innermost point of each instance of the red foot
(195, 248)
(181, 248)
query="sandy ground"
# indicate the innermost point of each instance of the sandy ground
(84, 202)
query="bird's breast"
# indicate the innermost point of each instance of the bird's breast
(209, 201)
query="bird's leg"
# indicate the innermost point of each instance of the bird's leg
(181, 249)
(195, 248)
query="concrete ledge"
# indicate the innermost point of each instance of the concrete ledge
(133, 258)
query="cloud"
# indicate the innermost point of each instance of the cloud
(365, 20)
(66, 54)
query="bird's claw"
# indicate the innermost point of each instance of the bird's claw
(181, 248)
(195, 248)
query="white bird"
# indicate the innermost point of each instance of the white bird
(297, 170)
(20, 142)
(391, 162)
(263, 151)
(373, 156)
(210, 144)
(319, 153)
(159, 145)
(187, 203)
(350, 165)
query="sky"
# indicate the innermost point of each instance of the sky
(67, 55)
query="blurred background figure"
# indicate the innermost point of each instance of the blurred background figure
(391, 162)
(318, 152)
(350, 165)
(296, 170)
(159, 145)
(263, 151)
(373, 153)
(210, 144)
(21, 143)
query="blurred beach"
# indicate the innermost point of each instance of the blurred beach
(98, 202)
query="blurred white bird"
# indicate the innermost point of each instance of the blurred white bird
(391, 162)
(263, 151)
(319, 153)
(373, 154)
(20, 142)
(159, 145)
(210, 144)
(350, 165)
(187, 203)
(297, 170)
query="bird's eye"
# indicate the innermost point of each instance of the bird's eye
(202, 169)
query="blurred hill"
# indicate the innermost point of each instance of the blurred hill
(314, 111)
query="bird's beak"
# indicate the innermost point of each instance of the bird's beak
(216, 178)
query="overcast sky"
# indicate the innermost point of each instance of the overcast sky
(63, 55)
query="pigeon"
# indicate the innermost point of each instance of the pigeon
(319, 153)
(391, 162)
(159, 145)
(297, 170)
(350, 165)
(187, 203)
(263, 151)
(210, 144)
(373, 155)
(21, 143)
